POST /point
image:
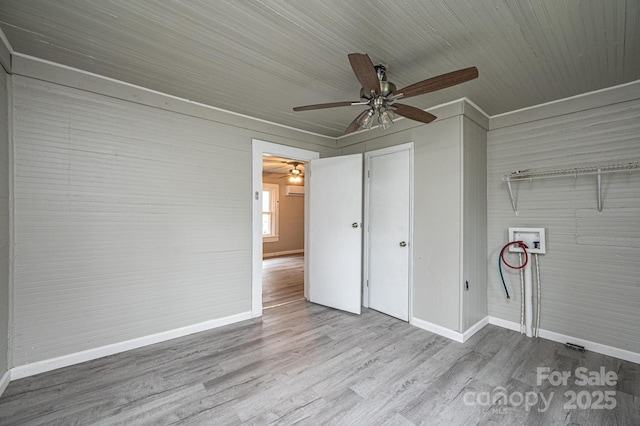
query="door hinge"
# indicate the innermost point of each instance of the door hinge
(367, 283)
(368, 173)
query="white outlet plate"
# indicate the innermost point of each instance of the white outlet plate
(534, 238)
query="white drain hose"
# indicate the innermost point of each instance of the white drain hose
(538, 285)
(521, 295)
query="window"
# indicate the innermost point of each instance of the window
(270, 193)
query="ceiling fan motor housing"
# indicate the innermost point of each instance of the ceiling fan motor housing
(386, 88)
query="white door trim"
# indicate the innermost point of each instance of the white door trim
(259, 148)
(365, 264)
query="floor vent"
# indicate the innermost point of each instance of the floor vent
(574, 347)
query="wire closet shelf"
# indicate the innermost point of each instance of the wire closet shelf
(533, 174)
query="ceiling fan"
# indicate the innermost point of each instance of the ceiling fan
(282, 167)
(295, 175)
(381, 95)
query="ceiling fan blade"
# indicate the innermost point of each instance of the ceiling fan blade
(329, 105)
(365, 72)
(437, 83)
(354, 124)
(413, 113)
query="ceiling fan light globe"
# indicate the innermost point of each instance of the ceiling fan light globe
(366, 121)
(385, 118)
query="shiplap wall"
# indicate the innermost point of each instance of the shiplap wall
(591, 271)
(474, 223)
(129, 220)
(4, 221)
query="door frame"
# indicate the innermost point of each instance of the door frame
(365, 273)
(260, 147)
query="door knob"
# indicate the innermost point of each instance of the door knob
(354, 225)
(403, 244)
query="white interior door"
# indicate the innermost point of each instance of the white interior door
(335, 232)
(388, 214)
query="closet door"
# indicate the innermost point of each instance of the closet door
(388, 227)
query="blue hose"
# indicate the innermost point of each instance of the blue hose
(502, 276)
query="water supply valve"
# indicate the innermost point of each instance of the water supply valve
(532, 237)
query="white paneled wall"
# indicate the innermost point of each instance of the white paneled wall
(591, 271)
(129, 221)
(4, 223)
(474, 223)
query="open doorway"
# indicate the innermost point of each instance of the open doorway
(259, 148)
(282, 230)
(333, 227)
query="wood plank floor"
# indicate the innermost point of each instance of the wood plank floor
(307, 364)
(282, 280)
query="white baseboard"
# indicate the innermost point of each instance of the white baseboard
(4, 381)
(475, 328)
(450, 334)
(504, 323)
(282, 253)
(563, 338)
(102, 351)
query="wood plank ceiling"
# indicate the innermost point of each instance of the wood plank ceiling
(263, 57)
